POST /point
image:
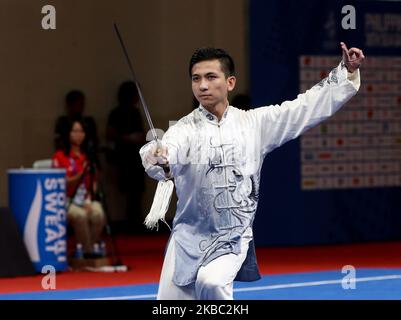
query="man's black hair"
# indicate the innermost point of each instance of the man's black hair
(127, 93)
(205, 54)
(73, 96)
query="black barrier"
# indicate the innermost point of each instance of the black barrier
(14, 259)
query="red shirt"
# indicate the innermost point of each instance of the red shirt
(74, 164)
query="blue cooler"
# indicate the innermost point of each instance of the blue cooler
(37, 198)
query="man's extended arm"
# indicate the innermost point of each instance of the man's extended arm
(281, 123)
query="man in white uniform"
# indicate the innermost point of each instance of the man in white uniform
(215, 155)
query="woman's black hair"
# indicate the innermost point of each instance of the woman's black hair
(66, 137)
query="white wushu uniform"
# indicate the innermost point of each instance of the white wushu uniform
(216, 168)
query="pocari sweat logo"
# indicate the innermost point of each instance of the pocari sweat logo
(45, 228)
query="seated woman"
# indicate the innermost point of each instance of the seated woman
(84, 213)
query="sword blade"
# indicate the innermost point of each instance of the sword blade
(144, 106)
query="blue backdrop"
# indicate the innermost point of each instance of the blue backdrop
(281, 31)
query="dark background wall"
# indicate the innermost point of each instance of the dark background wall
(38, 67)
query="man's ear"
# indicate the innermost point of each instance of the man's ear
(231, 81)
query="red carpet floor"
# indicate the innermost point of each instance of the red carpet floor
(144, 257)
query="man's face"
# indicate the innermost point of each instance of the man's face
(209, 83)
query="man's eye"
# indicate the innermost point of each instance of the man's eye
(211, 77)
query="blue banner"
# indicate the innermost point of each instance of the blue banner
(37, 198)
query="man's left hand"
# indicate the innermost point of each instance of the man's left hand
(352, 58)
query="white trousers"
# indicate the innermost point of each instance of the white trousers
(213, 282)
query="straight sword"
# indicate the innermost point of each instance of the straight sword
(166, 168)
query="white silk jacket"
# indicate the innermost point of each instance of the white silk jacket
(216, 168)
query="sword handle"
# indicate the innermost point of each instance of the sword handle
(166, 167)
